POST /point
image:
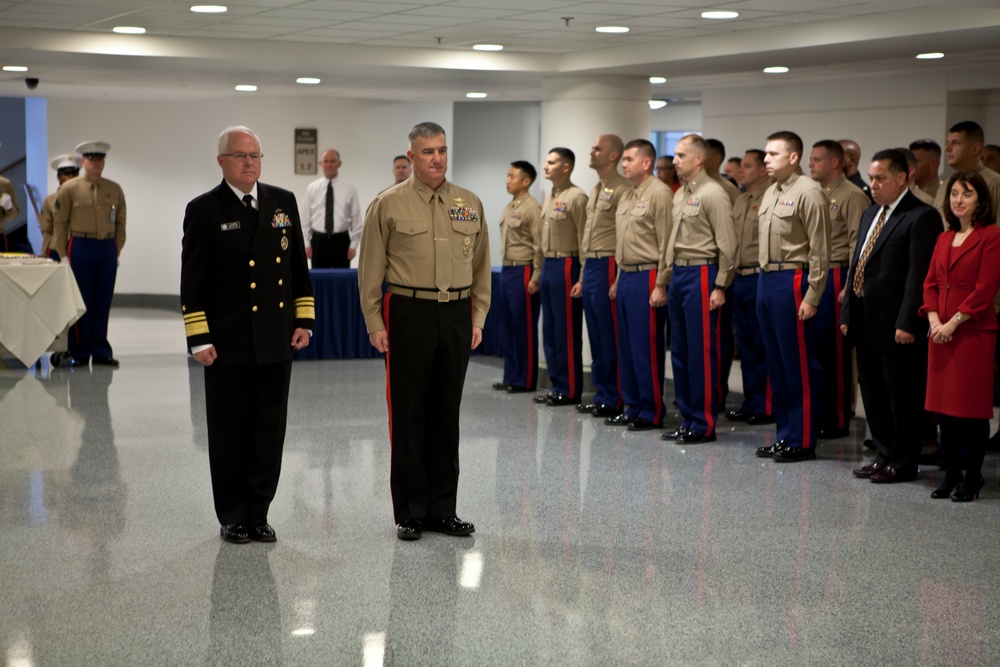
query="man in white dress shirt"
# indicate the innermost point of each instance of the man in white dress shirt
(331, 217)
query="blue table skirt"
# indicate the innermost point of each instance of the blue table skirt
(340, 328)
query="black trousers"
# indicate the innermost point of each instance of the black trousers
(246, 409)
(329, 251)
(970, 435)
(429, 345)
(894, 388)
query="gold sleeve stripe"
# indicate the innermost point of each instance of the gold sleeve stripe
(190, 317)
(304, 312)
(195, 328)
(305, 300)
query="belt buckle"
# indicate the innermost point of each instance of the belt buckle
(444, 297)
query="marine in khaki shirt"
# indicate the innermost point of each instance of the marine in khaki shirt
(845, 201)
(88, 209)
(644, 224)
(520, 227)
(602, 208)
(564, 219)
(745, 213)
(963, 151)
(67, 167)
(703, 227)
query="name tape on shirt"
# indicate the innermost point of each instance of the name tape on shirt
(226, 226)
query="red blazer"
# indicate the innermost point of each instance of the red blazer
(966, 278)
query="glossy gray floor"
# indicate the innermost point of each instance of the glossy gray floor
(593, 546)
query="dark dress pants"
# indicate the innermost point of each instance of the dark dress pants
(329, 251)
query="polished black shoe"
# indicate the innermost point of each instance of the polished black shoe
(263, 532)
(890, 475)
(769, 451)
(793, 454)
(106, 361)
(236, 533)
(605, 410)
(759, 419)
(586, 407)
(866, 471)
(947, 485)
(868, 444)
(640, 424)
(559, 399)
(692, 438)
(833, 433)
(739, 415)
(968, 490)
(619, 420)
(78, 362)
(449, 526)
(409, 529)
(511, 389)
(501, 386)
(541, 398)
(675, 434)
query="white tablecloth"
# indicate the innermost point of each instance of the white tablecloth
(37, 302)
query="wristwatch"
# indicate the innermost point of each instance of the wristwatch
(958, 318)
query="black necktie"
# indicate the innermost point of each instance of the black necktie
(328, 220)
(248, 202)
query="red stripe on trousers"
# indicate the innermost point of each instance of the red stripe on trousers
(531, 329)
(768, 397)
(839, 344)
(388, 383)
(656, 371)
(568, 277)
(800, 329)
(612, 276)
(706, 340)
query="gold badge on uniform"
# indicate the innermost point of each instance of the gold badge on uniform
(467, 241)
(284, 243)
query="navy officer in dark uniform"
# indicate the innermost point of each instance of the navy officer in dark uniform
(248, 305)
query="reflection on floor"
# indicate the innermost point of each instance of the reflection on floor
(594, 546)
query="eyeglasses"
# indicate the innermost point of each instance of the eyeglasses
(243, 156)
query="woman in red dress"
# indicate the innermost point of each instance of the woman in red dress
(959, 292)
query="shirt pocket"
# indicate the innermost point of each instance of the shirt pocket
(411, 239)
(782, 220)
(512, 222)
(464, 237)
(602, 205)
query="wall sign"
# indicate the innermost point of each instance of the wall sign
(305, 152)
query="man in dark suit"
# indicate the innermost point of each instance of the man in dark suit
(896, 239)
(247, 305)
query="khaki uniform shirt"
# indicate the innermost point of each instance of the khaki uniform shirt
(931, 188)
(45, 222)
(520, 227)
(96, 210)
(745, 213)
(925, 197)
(602, 208)
(564, 218)
(418, 238)
(846, 202)
(795, 227)
(731, 190)
(703, 227)
(645, 217)
(992, 182)
(6, 187)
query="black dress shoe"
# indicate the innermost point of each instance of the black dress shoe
(263, 532)
(619, 420)
(759, 419)
(947, 486)
(866, 471)
(409, 529)
(541, 398)
(106, 361)
(793, 454)
(891, 475)
(739, 415)
(868, 444)
(640, 424)
(451, 525)
(586, 407)
(511, 389)
(968, 490)
(78, 362)
(675, 434)
(833, 433)
(500, 386)
(235, 533)
(693, 438)
(605, 410)
(560, 399)
(769, 451)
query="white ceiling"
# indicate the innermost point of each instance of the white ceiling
(421, 49)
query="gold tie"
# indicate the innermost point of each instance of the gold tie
(859, 274)
(442, 244)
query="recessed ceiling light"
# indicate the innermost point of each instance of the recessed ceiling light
(488, 47)
(616, 29)
(246, 88)
(209, 9)
(311, 80)
(719, 15)
(657, 104)
(929, 56)
(475, 96)
(657, 79)
(775, 70)
(128, 30)
(14, 68)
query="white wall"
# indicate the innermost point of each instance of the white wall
(677, 117)
(163, 155)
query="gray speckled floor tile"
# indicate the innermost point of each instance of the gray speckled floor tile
(593, 545)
